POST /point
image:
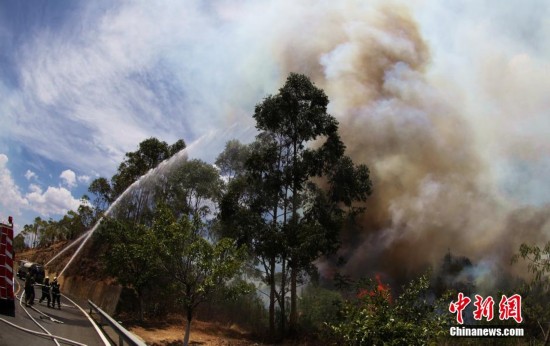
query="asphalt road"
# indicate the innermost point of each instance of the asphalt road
(69, 322)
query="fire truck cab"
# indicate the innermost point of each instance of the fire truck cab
(7, 302)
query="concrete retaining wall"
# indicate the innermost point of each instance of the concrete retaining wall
(104, 295)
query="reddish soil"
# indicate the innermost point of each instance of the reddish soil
(171, 333)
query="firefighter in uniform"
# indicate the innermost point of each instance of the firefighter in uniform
(56, 294)
(46, 291)
(29, 289)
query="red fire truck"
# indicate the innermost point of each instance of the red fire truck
(7, 303)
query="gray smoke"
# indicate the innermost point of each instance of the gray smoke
(435, 187)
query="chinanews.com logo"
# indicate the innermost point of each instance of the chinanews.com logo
(509, 308)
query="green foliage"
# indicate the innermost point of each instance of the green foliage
(132, 256)
(42, 233)
(171, 252)
(137, 205)
(349, 183)
(536, 292)
(232, 160)
(297, 112)
(101, 189)
(151, 152)
(538, 262)
(74, 224)
(191, 189)
(198, 267)
(19, 243)
(318, 306)
(413, 319)
(175, 148)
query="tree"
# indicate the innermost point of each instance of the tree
(249, 212)
(199, 268)
(135, 251)
(138, 202)
(132, 257)
(86, 216)
(33, 231)
(192, 188)
(19, 243)
(287, 201)
(536, 292)
(319, 306)
(175, 148)
(44, 233)
(102, 191)
(295, 117)
(151, 152)
(75, 223)
(232, 160)
(48, 232)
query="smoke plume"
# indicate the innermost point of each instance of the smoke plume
(434, 182)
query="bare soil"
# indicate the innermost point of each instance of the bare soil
(171, 332)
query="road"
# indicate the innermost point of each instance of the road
(69, 323)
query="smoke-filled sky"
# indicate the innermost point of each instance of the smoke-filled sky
(447, 103)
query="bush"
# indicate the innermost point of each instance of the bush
(247, 311)
(317, 306)
(415, 318)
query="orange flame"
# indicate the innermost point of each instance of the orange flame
(381, 289)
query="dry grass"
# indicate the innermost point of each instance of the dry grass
(170, 332)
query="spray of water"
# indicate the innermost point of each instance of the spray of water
(74, 243)
(162, 168)
(89, 234)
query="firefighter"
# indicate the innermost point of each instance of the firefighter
(56, 294)
(46, 291)
(29, 289)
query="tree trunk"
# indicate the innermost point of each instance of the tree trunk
(282, 302)
(188, 328)
(294, 263)
(272, 298)
(293, 306)
(273, 285)
(141, 308)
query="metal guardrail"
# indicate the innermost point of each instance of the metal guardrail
(124, 336)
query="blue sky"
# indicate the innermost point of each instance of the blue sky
(83, 82)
